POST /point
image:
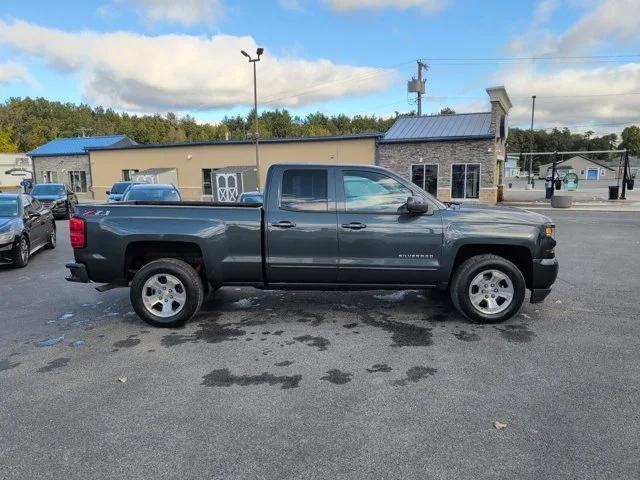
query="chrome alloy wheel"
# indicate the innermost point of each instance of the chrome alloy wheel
(491, 292)
(24, 250)
(164, 295)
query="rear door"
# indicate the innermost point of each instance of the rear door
(301, 225)
(379, 240)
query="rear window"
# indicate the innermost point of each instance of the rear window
(304, 190)
(119, 188)
(153, 194)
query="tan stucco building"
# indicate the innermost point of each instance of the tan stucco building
(196, 163)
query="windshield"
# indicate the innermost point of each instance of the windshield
(44, 189)
(119, 188)
(152, 194)
(8, 207)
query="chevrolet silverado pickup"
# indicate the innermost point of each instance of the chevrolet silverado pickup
(323, 227)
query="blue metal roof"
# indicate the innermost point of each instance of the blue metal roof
(77, 145)
(460, 126)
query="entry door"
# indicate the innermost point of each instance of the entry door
(592, 174)
(379, 240)
(301, 226)
(227, 187)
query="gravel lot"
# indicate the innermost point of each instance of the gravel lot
(328, 385)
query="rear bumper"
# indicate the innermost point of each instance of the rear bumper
(544, 274)
(78, 273)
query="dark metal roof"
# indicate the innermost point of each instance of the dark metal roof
(78, 145)
(359, 136)
(462, 126)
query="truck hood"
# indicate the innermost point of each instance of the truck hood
(481, 212)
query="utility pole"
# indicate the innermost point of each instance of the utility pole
(259, 52)
(533, 109)
(420, 92)
(625, 168)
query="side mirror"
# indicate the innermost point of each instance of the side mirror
(417, 205)
(108, 192)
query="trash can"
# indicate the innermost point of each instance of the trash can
(613, 192)
(558, 183)
(630, 184)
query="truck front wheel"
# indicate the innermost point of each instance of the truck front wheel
(166, 292)
(488, 289)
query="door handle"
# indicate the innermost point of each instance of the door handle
(354, 226)
(283, 224)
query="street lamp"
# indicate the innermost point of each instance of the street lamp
(259, 52)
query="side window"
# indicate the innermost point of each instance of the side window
(26, 205)
(373, 192)
(304, 190)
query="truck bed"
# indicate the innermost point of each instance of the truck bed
(225, 238)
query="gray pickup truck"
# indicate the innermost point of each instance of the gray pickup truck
(325, 227)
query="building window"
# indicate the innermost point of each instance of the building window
(426, 177)
(304, 190)
(78, 181)
(208, 180)
(373, 192)
(127, 175)
(465, 180)
(49, 176)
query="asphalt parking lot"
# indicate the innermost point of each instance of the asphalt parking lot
(279, 385)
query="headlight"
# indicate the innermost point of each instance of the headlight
(6, 237)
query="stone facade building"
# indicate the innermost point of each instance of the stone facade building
(455, 157)
(66, 160)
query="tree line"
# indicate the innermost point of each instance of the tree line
(26, 123)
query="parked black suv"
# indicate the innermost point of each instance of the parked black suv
(57, 197)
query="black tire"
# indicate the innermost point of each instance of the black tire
(189, 279)
(51, 243)
(21, 257)
(468, 270)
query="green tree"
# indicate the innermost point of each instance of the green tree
(631, 139)
(7, 145)
(447, 111)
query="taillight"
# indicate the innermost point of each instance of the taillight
(78, 232)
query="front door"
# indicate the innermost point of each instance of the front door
(379, 240)
(227, 187)
(34, 222)
(592, 174)
(301, 227)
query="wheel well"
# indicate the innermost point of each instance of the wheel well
(519, 256)
(139, 254)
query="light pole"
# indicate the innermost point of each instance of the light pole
(533, 110)
(259, 52)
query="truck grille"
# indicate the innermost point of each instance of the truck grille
(47, 203)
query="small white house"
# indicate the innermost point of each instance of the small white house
(585, 168)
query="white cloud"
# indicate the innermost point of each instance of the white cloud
(183, 12)
(570, 94)
(13, 73)
(575, 96)
(612, 21)
(428, 6)
(157, 73)
(290, 4)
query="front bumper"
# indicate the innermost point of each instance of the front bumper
(544, 274)
(78, 273)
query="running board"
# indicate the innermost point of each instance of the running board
(107, 287)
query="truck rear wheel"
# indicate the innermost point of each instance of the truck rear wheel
(488, 289)
(166, 292)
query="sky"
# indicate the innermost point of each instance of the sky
(581, 58)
